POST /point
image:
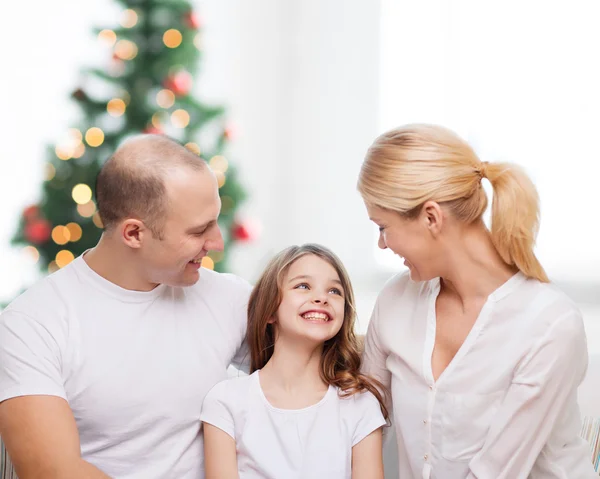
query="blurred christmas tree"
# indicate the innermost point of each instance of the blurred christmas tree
(146, 88)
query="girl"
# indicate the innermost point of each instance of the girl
(305, 411)
(483, 355)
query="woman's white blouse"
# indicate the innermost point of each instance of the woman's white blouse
(506, 406)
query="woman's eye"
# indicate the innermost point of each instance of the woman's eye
(381, 228)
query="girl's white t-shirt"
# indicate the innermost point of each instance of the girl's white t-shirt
(273, 443)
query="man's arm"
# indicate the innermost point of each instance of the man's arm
(41, 438)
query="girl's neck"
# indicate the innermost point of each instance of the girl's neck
(291, 378)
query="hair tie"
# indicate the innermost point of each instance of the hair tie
(482, 169)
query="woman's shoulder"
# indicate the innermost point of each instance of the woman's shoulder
(401, 288)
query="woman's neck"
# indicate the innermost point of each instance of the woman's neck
(475, 269)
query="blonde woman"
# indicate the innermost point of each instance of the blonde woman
(483, 356)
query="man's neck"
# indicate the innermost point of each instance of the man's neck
(111, 261)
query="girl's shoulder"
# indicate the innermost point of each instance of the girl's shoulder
(229, 389)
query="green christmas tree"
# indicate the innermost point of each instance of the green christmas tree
(146, 87)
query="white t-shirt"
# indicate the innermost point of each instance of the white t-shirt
(506, 405)
(309, 443)
(133, 366)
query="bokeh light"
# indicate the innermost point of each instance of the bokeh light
(94, 136)
(108, 36)
(218, 163)
(50, 171)
(220, 178)
(172, 38)
(126, 50)
(97, 220)
(31, 253)
(193, 147)
(180, 118)
(82, 194)
(208, 263)
(63, 258)
(61, 235)
(165, 98)
(87, 210)
(115, 107)
(129, 18)
(75, 232)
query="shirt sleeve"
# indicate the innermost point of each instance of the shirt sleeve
(30, 357)
(375, 355)
(216, 409)
(241, 359)
(368, 416)
(544, 383)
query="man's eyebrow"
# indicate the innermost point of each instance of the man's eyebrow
(201, 227)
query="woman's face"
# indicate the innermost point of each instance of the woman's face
(411, 239)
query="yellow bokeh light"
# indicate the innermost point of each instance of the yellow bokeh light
(62, 152)
(220, 178)
(165, 98)
(129, 18)
(218, 163)
(172, 38)
(63, 258)
(193, 147)
(75, 135)
(157, 120)
(115, 107)
(52, 267)
(180, 118)
(208, 263)
(198, 41)
(75, 232)
(82, 194)
(61, 235)
(31, 253)
(97, 220)
(86, 210)
(50, 171)
(126, 50)
(94, 136)
(79, 151)
(108, 36)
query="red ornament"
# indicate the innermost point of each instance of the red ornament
(152, 130)
(192, 20)
(38, 231)
(180, 83)
(31, 212)
(229, 132)
(244, 232)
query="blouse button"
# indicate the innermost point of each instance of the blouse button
(424, 421)
(425, 456)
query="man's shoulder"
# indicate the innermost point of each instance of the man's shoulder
(225, 285)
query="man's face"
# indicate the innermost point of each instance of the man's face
(190, 229)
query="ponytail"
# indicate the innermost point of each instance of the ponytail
(515, 217)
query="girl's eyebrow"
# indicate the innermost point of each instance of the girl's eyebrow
(306, 276)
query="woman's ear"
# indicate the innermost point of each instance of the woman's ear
(433, 216)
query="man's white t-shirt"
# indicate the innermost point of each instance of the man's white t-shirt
(309, 443)
(133, 366)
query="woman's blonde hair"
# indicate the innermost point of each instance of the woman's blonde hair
(408, 166)
(340, 360)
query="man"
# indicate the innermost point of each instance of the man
(104, 364)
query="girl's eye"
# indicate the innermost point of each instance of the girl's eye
(302, 286)
(336, 291)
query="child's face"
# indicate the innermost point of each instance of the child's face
(312, 303)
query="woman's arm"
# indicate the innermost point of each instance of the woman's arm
(367, 457)
(544, 383)
(220, 458)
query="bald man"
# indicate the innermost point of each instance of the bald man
(104, 364)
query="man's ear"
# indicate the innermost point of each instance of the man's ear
(133, 232)
(433, 217)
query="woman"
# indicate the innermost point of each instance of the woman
(482, 355)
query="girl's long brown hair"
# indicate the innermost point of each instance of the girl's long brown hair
(340, 361)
